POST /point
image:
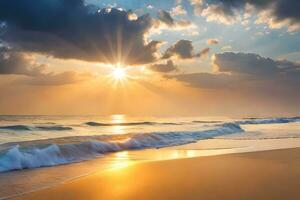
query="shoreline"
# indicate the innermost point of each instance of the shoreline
(84, 186)
(22, 182)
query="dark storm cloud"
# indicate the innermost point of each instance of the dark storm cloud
(240, 70)
(183, 49)
(72, 30)
(164, 68)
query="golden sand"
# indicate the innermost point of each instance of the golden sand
(247, 176)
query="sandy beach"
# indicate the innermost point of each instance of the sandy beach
(258, 175)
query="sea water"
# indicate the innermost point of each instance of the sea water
(35, 150)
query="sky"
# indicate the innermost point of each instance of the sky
(238, 58)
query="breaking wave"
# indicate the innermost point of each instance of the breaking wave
(281, 120)
(25, 157)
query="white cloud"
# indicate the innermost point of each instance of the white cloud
(178, 10)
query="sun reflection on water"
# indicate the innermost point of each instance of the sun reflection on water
(118, 120)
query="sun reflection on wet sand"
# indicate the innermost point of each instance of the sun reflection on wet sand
(121, 160)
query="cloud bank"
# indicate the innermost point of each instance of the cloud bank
(17, 63)
(72, 30)
(245, 71)
(276, 13)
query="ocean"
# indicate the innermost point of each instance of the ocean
(62, 148)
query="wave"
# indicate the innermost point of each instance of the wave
(54, 128)
(281, 120)
(16, 128)
(129, 123)
(205, 122)
(34, 156)
(38, 128)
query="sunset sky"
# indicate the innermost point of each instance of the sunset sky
(150, 58)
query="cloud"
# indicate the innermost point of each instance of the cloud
(206, 80)
(17, 63)
(219, 13)
(246, 71)
(165, 20)
(212, 41)
(165, 17)
(255, 66)
(198, 6)
(248, 64)
(283, 12)
(276, 13)
(56, 79)
(213, 11)
(132, 16)
(178, 10)
(183, 49)
(164, 68)
(72, 30)
(150, 7)
(273, 17)
(226, 47)
(203, 53)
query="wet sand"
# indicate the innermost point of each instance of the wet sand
(245, 176)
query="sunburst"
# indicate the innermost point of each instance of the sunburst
(119, 74)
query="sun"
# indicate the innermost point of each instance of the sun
(119, 73)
